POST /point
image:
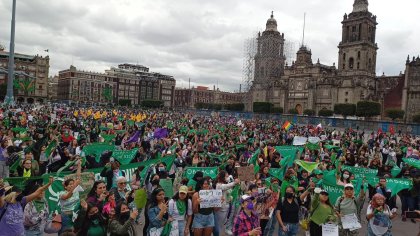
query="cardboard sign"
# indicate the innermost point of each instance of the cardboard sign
(246, 173)
(211, 198)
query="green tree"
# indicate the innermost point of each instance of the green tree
(262, 107)
(325, 112)
(24, 84)
(293, 111)
(151, 103)
(368, 109)
(345, 109)
(124, 102)
(309, 112)
(395, 114)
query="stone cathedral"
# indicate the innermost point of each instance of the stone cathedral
(306, 84)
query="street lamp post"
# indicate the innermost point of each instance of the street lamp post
(9, 96)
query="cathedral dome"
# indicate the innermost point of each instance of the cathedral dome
(271, 24)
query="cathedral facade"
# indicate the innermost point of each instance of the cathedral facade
(306, 84)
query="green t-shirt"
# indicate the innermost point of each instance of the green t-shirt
(96, 230)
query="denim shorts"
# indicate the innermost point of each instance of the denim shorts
(203, 221)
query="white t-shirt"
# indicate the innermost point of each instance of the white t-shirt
(173, 210)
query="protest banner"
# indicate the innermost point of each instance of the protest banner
(211, 198)
(124, 156)
(412, 162)
(299, 141)
(308, 166)
(96, 149)
(246, 173)
(329, 230)
(361, 172)
(395, 184)
(208, 171)
(87, 179)
(314, 140)
(334, 191)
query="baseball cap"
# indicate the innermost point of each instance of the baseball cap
(318, 172)
(183, 189)
(246, 197)
(323, 191)
(349, 186)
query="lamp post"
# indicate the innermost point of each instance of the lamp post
(9, 100)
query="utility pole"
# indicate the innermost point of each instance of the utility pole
(9, 99)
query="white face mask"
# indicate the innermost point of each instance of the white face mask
(346, 176)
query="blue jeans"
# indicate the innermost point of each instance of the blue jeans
(203, 221)
(408, 203)
(66, 222)
(33, 233)
(292, 229)
(181, 227)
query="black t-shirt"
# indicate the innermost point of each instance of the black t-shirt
(289, 212)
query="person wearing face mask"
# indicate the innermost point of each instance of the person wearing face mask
(289, 180)
(13, 203)
(123, 222)
(161, 171)
(112, 174)
(344, 179)
(90, 221)
(287, 212)
(247, 221)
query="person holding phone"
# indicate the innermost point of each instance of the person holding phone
(379, 216)
(247, 221)
(158, 210)
(123, 222)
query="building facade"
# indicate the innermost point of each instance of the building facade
(52, 88)
(125, 82)
(188, 98)
(307, 85)
(31, 76)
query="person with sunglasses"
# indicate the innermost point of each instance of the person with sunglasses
(120, 191)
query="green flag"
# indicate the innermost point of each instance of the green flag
(208, 171)
(96, 149)
(330, 177)
(221, 157)
(167, 186)
(276, 172)
(334, 192)
(125, 156)
(329, 147)
(361, 172)
(412, 162)
(395, 184)
(312, 146)
(50, 148)
(253, 159)
(108, 137)
(308, 166)
(395, 171)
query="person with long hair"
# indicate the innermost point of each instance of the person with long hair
(97, 194)
(90, 221)
(123, 222)
(180, 209)
(222, 212)
(321, 212)
(12, 203)
(108, 210)
(379, 216)
(203, 222)
(158, 209)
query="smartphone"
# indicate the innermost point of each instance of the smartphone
(412, 214)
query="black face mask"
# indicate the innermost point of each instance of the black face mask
(124, 216)
(94, 217)
(155, 182)
(289, 195)
(19, 197)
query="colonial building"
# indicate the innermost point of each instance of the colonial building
(308, 85)
(187, 98)
(31, 76)
(52, 88)
(125, 82)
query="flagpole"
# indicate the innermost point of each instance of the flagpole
(9, 99)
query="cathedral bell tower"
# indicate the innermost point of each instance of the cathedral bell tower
(357, 49)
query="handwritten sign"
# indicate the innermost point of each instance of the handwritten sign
(210, 198)
(246, 173)
(350, 222)
(329, 230)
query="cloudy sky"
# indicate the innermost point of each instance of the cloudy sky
(198, 39)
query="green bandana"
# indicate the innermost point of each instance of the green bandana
(181, 206)
(39, 205)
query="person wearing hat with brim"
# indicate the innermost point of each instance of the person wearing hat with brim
(321, 211)
(12, 203)
(348, 204)
(247, 222)
(180, 209)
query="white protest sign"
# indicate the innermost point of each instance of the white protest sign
(211, 198)
(314, 140)
(299, 141)
(329, 230)
(350, 222)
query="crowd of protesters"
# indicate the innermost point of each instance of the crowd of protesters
(45, 140)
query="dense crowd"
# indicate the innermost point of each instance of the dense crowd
(108, 170)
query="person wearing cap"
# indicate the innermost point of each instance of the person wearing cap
(180, 209)
(318, 177)
(321, 211)
(247, 221)
(348, 204)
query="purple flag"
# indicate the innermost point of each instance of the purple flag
(134, 138)
(160, 133)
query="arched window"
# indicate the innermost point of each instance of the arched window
(351, 63)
